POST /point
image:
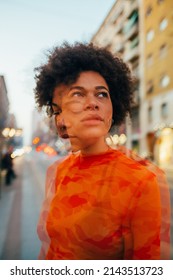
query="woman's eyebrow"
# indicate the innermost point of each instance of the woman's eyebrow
(101, 87)
(82, 88)
(54, 104)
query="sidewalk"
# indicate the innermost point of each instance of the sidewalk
(19, 207)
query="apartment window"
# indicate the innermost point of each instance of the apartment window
(131, 22)
(150, 35)
(164, 110)
(149, 60)
(150, 86)
(148, 11)
(163, 51)
(150, 114)
(163, 24)
(164, 81)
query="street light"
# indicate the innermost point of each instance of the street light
(5, 132)
(8, 132)
(116, 140)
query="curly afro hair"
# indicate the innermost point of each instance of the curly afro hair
(64, 65)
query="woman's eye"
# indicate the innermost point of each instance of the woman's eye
(77, 93)
(103, 94)
(57, 113)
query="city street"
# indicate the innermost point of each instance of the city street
(19, 208)
(20, 205)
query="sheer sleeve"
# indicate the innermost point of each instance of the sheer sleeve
(153, 211)
(146, 222)
(49, 194)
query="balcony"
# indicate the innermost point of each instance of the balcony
(136, 98)
(119, 47)
(135, 120)
(131, 7)
(117, 14)
(136, 73)
(131, 54)
(131, 26)
(119, 27)
(132, 32)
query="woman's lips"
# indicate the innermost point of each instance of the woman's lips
(92, 118)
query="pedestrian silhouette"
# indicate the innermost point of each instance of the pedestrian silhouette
(7, 164)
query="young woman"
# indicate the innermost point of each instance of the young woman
(99, 203)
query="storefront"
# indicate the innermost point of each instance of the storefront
(164, 147)
(160, 146)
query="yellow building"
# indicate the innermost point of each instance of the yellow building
(156, 114)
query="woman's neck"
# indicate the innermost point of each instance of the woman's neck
(95, 147)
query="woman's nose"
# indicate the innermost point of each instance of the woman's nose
(60, 125)
(91, 104)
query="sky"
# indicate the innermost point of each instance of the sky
(28, 30)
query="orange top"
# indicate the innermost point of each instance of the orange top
(104, 206)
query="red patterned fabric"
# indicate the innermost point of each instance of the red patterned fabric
(106, 206)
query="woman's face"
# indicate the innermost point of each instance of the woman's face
(83, 110)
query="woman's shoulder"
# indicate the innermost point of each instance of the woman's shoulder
(55, 164)
(133, 165)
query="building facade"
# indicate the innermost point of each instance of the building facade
(119, 33)
(4, 103)
(156, 115)
(141, 32)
